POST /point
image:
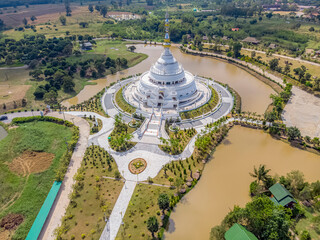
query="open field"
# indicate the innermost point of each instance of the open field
(25, 185)
(43, 13)
(94, 196)
(143, 204)
(312, 69)
(50, 26)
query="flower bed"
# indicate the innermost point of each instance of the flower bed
(137, 165)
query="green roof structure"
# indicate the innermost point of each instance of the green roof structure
(239, 232)
(280, 195)
(44, 211)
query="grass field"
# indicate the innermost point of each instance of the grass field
(26, 193)
(143, 204)
(93, 197)
(312, 69)
(50, 26)
(311, 223)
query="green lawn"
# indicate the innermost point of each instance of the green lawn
(93, 196)
(143, 204)
(311, 223)
(34, 136)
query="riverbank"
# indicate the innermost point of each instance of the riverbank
(209, 201)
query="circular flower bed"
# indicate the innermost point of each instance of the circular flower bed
(137, 165)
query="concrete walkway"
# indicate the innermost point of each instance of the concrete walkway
(112, 227)
(62, 201)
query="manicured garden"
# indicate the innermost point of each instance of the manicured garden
(208, 107)
(178, 139)
(144, 205)
(93, 197)
(120, 137)
(122, 103)
(32, 156)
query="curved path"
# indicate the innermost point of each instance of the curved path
(61, 203)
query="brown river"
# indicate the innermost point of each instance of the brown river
(225, 180)
(254, 94)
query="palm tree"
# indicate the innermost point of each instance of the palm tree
(261, 174)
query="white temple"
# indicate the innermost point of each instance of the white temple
(167, 84)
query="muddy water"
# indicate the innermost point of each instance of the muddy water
(225, 181)
(255, 94)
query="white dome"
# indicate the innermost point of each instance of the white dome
(167, 84)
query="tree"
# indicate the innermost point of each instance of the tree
(33, 18)
(132, 48)
(63, 20)
(273, 64)
(163, 202)
(261, 174)
(90, 7)
(68, 84)
(68, 8)
(269, 15)
(286, 70)
(152, 225)
(296, 182)
(39, 92)
(36, 74)
(236, 49)
(25, 21)
(104, 11)
(50, 98)
(293, 133)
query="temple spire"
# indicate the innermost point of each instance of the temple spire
(167, 38)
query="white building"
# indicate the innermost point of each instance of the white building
(166, 84)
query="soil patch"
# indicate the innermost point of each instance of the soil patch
(137, 165)
(11, 221)
(31, 162)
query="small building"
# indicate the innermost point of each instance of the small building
(189, 37)
(86, 46)
(317, 53)
(251, 40)
(239, 232)
(235, 29)
(273, 46)
(281, 196)
(205, 38)
(225, 38)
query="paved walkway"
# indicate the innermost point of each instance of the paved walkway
(114, 222)
(62, 200)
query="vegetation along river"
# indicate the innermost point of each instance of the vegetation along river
(254, 93)
(225, 181)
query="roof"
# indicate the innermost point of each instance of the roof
(44, 211)
(250, 40)
(281, 196)
(239, 232)
(272, 45)
(87, 44)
